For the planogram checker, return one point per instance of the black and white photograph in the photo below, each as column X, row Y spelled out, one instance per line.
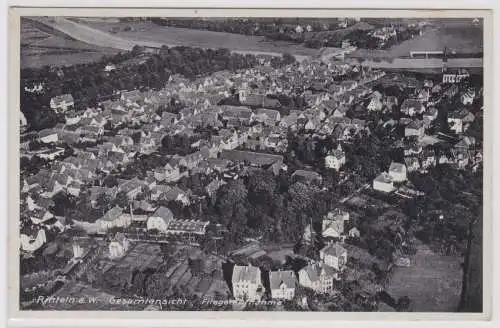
column 246, row 163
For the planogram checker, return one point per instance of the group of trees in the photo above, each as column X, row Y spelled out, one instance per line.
column 270, row 207
column 457, row 195
column 362, row 39
column 275, row 28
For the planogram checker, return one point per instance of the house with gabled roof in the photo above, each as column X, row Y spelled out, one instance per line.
column 178, row 195
column 118, row 246
column 74, row 188
column 131, row 97
column 428, row 158
column 390, row 102
column 62, row 103
column 290, row 121
column 412, row 107
column 267, row 116
column 72, row 117
column 383, row 182
column 282, row 284
column 131, row 188
column 113, row 218
column 115, row 158
column 430, row 115
column 160, row 219
column 191, row 160
column 122, row 140
column 349, row 85
column 340, row 111
column 40, row 215
column 336, row 217
column 460, row 120
column 467, row 98
column 332, row 227
column 32, row 243
column 213, row 186
column 354, row 232
column 423, row 95
column 415, row 128
column 318, row 277
column 247, row 283
column 397, row 171
column 334, row 255
column 52, row 187
column 91, row 133
column 48, row 136
column 465, row 142
column 412, row 164
column 460, row 157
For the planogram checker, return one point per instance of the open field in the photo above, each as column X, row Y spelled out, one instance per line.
column 433, row 282
column 150, row 35
column 148, row 31
column 42, row 45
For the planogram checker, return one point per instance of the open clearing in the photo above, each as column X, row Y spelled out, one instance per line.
column 433, row 282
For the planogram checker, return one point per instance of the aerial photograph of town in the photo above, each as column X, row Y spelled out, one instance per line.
column 251, row 164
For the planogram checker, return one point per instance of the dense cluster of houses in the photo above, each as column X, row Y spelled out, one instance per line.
column 252, row 132
column 419, row 113
column 255, row 126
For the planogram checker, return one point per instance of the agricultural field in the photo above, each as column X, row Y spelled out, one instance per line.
column 41, row 45
column 433, row 282
column 172, row 36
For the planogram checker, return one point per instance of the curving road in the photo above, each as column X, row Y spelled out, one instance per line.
column 87, row 34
